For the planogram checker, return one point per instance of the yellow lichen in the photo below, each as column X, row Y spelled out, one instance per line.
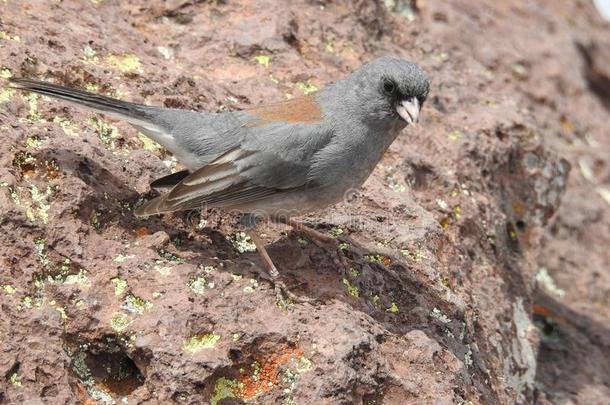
column 8, row 37
column 263, row 60
column 393, row 308
column 126, row 63
column 306, row 87
column 149, row 144
column 69, row 128
column 223, row 389
column 119, row 322
column 9, row 289
column 120, row 286
column 199, row 342
column 351, row 289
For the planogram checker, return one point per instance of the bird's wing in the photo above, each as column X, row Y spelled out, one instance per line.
column 270, row 153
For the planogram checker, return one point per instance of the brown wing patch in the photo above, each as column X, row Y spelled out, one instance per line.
column 300, row 110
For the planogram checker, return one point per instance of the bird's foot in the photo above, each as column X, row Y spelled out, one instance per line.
column 285, row 298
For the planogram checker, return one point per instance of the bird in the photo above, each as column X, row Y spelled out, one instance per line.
column 275, row 161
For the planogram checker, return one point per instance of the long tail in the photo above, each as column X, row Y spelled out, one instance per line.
column 133, row 113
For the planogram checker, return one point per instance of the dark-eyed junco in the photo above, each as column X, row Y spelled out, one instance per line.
column 278, row 160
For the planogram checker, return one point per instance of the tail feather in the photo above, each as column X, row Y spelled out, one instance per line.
column 121, row 109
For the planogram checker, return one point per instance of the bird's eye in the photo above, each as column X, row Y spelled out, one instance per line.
column 389, row 86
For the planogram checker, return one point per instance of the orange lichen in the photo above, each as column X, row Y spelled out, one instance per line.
column 547, row 313
column 142, row 231
column 264, row 375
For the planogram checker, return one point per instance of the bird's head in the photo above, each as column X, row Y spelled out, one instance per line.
column 387, row 90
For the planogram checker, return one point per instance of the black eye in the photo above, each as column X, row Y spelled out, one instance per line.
column 389, row 86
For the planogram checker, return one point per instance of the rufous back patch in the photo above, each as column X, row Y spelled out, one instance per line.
column 300, row 110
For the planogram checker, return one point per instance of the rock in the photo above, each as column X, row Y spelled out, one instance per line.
column 505, row 175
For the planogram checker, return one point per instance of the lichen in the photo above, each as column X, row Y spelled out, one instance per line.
column 33, row 142
column 89, row 54
column 197, row 285
column 136, row 305
column 107, row 133
column 455, row 135
column 223, row 389
column 8, row 37
column 120, row 258
column 170, row 256
column 351, row 289
column 149, row 144
column 306, row 87
column 335, row 232
column 439, row 316
column 79, row 278
column 66, row 125
column 120, row 286
column 544, row 278
column 8, row 289
column 125, row 63
column 253, row 286
column 200, row 342
column 393, row 309
column 263, row 60
column 119, row 322
column 376, row 301
column 15, row 380
column 242, row 242
column 166, row 52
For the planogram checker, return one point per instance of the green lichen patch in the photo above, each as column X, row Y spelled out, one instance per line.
column 89, row 54
column 120, row 258
column 5, row 95
column 335, row 232
column 253, row 285
column 392, row 181
column 8, row 289
column 376, row 301
column 35, row 203
column 126, row 63
column 136, row 305
column 64, row 277
column 544, row 278
column 263, row 60
column 306, row 87
column 416, row 255
column 67, row 126
column 393, row 309
column 119, row 322
column 149, row 144
column 108, row 133
column 455, row 135
column 8, row 37
column 351, row 288
column 223, row 389
column 15, row 380
column 200, row 342
column 439, row 316
column 197, row 285
column 31, row 99
column 241, row 242
column 120, row 286
column 170, row 257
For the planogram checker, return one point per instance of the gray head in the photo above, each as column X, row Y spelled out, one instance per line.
column 387, row 90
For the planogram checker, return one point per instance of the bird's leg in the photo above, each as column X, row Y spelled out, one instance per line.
column 281, row 292
column 312, row 233
column 318, row 238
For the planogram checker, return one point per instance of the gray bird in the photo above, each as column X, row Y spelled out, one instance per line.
column 278, row 160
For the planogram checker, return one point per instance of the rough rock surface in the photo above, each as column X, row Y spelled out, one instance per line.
column 466, row 280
